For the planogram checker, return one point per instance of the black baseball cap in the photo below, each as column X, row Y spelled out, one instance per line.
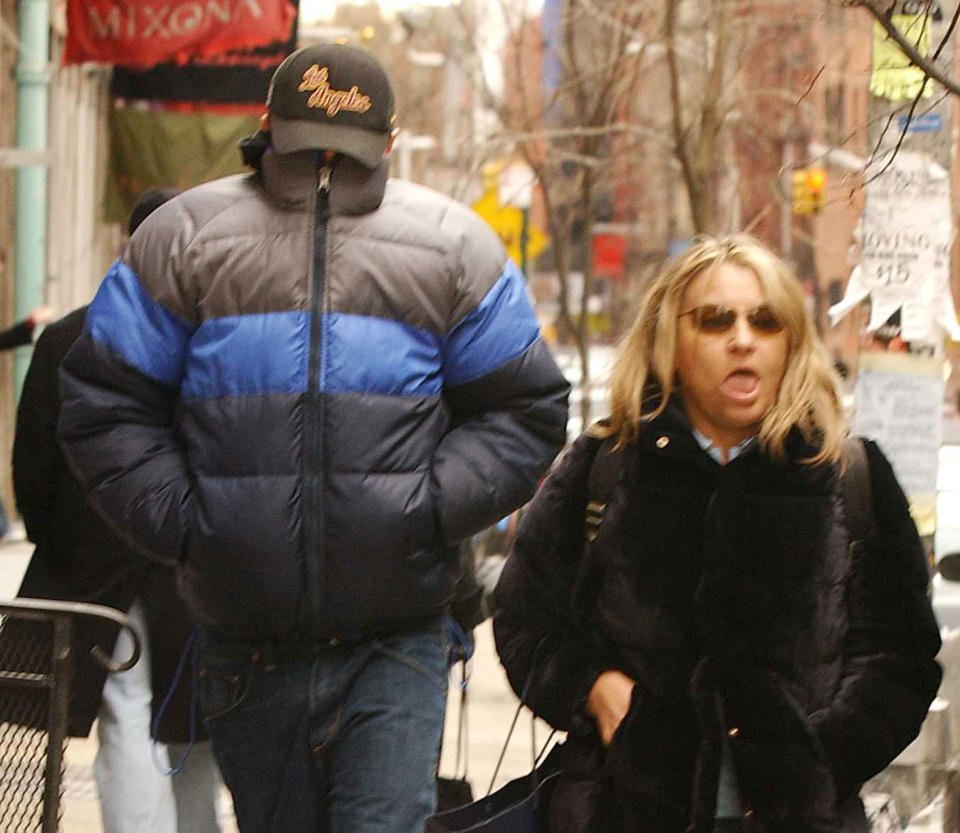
column 331, row 96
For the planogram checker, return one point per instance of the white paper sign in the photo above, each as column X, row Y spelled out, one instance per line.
column 904, row 265
column 899, row 403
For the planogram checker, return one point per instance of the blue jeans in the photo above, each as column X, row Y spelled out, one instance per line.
column 4, row 522
column 337, row 739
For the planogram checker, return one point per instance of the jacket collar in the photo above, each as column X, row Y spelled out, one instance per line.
column 354, row 189
column 671, row 436
column 671, row 432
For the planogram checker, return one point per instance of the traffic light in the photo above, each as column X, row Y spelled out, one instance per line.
column 807, row 186
column 816, row 184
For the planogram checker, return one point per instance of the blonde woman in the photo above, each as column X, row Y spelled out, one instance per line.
column 723, row 653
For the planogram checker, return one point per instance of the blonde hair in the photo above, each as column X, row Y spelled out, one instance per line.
column 643, row 376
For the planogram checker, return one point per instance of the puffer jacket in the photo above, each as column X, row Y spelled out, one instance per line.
column 730, row 595
column 305, row 386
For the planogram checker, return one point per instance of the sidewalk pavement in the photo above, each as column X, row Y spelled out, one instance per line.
column 491, row 706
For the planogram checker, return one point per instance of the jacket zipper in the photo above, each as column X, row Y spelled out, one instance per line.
column 313, row 557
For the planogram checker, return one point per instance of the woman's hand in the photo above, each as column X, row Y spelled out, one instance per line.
column 609, row 702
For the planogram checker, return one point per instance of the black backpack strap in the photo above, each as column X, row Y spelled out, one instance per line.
column 856, row 491
column 602, row 479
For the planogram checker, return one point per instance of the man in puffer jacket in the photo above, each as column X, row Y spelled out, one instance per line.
column 306, row 386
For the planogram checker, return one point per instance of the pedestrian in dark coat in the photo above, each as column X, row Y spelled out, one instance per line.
column 21, row 333
column 722, row 653
column 77, row 558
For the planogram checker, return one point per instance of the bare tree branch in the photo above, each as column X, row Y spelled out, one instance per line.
column 612, row 21
column 812, row 85
column 903, row 134
column 681, row 149
column 900, row 138
column 749, row 227
column 913, row 104
column 928, row 66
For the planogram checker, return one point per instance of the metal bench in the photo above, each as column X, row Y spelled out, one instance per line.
column 36, row 672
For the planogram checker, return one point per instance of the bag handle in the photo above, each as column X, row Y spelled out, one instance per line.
column 464, row 654
column 537, row 757
column 463, row 735
column 602, row 479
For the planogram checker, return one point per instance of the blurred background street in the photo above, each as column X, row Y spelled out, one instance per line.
column 597, row 140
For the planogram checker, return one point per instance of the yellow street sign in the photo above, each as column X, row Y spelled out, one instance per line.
column 507, row 222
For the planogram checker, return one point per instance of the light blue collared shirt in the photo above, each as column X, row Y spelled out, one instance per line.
column 716, row 451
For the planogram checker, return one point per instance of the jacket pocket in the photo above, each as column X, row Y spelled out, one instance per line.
column 222, row 692
column 652, row 752
column 426, row 652
column 781, row 766
column 804, row 721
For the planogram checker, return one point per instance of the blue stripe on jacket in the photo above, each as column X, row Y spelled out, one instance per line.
column 501, row 328
column 377, row 355
column 247, row 355
column 144, row 334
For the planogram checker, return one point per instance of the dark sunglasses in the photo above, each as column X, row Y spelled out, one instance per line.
column 717, row 318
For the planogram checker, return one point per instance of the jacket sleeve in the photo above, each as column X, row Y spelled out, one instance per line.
column 890, row 673
column 508, row 406
column 119, row 385
column 35, row 450
column 17, row 336
column 542, row 645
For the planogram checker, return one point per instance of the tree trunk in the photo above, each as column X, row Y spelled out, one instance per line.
column 697, row 140
column 583, row 328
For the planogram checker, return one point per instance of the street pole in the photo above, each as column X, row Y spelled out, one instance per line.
column 904, row 256
column 515, row 184
column 902, row 126
column 786, row 206
column 30, row 246
column 524, row 239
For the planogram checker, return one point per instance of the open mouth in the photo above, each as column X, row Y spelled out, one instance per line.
column 741, row 384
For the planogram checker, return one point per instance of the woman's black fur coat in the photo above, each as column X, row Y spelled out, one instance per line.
column 728, row 594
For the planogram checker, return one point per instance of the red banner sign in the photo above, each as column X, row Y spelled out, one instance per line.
column 609, row 251
column 143, row 33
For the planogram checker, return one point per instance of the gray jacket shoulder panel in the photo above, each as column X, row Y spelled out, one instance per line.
column 202, row 255
column 421, row 258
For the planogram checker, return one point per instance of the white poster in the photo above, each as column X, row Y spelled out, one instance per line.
column 905, row 251
column 899, row 404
